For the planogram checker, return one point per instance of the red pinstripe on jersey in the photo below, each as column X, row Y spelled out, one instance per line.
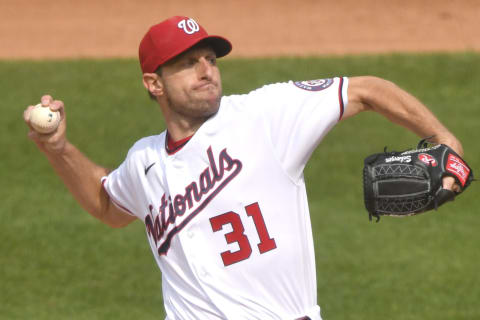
column 340, row 98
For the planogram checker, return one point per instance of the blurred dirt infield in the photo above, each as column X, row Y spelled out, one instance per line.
column 112, row 28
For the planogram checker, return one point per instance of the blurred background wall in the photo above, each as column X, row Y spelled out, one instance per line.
column 113, row 28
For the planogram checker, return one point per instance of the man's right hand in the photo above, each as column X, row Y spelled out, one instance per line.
column 52, row 142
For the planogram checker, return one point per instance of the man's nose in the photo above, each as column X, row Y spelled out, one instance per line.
column 204, row 68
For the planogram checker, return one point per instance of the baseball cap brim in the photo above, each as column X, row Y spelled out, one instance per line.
column 220, row 46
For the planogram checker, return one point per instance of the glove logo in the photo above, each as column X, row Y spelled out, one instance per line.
column 402, row 159
column 427, row 159
column 457, row 167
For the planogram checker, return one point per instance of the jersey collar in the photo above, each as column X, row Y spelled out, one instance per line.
column 174, row 146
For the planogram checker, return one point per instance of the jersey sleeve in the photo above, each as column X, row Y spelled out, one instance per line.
column 298, row 115
column 124, row 184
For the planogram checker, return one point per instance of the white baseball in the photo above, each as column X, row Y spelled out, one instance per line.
column 44, row 120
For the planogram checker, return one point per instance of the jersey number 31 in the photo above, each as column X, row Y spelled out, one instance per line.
column 237, row 235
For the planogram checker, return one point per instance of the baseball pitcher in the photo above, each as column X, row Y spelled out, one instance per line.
column 221, row 191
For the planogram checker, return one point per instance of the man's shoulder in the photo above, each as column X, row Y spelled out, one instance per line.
column 255, row 97
column 264, row 89
column 147, row 145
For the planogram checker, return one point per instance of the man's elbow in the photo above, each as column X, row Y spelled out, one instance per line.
column 369, row 91
column 363, row 92
column 117, row 225
column 372, row 85
column 113, row 217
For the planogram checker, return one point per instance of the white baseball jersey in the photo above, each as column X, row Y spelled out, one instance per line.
column 226, row 215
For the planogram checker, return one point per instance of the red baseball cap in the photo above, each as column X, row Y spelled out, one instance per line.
column 173, row 36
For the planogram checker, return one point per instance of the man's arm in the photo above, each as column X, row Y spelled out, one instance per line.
column 400, row 107
column 80, row 175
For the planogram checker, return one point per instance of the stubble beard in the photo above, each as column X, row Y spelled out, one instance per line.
column 196, row 110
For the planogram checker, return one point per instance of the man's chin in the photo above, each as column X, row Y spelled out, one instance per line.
column 206, row 108
column 211, row 102
column 211, row 110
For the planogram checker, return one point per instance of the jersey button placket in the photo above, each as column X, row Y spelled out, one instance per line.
column 177, row 164
column 187, row 240
column 190, row 246
column 174, row 175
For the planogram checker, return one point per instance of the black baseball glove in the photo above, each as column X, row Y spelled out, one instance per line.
column 410, row 182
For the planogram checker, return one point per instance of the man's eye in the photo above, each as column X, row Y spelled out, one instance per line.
column 189, row 63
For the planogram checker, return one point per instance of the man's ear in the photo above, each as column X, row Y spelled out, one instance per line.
column 152, row 83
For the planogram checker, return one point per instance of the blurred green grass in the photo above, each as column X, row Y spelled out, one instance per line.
column 59, row 263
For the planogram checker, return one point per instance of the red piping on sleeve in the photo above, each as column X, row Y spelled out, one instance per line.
column 114, row 202
column 340, row 98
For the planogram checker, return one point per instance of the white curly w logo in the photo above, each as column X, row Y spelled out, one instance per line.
column 190, row 26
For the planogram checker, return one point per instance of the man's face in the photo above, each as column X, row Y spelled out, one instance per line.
column 191, row 83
